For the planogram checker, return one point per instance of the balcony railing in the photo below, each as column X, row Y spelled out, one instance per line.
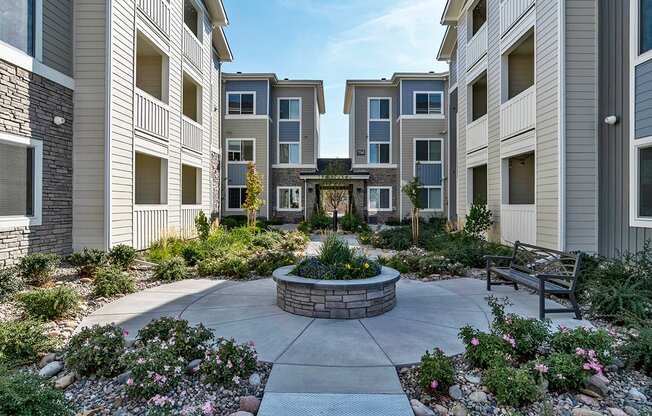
column 476, row 134
column 518, row 114
column 518, row 223
column 477, row 47
column 511, row 11
column 150, row 222
column 188, row 215
column 151, row 115
column 158, row 11
column 192, row 48
column 192, row 135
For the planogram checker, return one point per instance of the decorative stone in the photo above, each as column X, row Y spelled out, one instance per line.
column 455, row 392
column 421, row 409
column 583, row 411
column 193, row 366
column 616, row 412
column 478, row 397
column 85, row 280
column 65, row 381
column 241, row 413
column 47, row 359
column 249, row 404
column 254, row 379
column 459, row 410
column 472, row 378
column 634, row 394
column 51, row 369
column 631, row 411
column 122, row 378
column 598, row 385
column 441, row 410
column 589, row 401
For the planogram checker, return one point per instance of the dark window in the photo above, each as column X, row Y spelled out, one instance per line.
column 428, row 103
column 422, row 103
column 16, row 180
column 234, row 104
column 247, row 103
column 422, row 150
column 17, row 24
column 645, row 182
column 434, row 103
column 237, row 197
column 645, row 25
column 379, row 109
column 241, row 104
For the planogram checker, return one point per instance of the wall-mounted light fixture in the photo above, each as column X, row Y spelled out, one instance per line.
column 59, row 121
column 611, row 120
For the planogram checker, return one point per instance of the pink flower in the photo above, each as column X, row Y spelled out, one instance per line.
column 434, row 384
column 510, row 340
column 130, row 381
column 208, row 409
column 125, row 333
column 475, row 342
column 229, row 365
column 541, row 368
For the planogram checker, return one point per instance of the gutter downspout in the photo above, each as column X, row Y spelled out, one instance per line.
column 562, row 126
column 107, row 127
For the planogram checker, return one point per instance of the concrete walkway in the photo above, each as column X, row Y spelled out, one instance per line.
column 326, row 367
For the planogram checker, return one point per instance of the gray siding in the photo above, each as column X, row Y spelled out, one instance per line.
column 644, row 100
column 308, row 121
column 494, row 186
column 260, row 87
column 451, row 180
column 360, row 118
column 57, row 35
column 615, row 234
column 410, row 86
column 453, row 68
column 581, row 126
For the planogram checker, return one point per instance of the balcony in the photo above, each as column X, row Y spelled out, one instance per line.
column 476, row 134
column 151, row 115
column 150, row 223
column 188, row 215
column 518, row 114
column 192, row 134
column 518, row 223
column 476, row 47
column 158, row 12
column 192, row 48
column 511, row 11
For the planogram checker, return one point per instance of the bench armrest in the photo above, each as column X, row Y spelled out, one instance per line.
column 493, row 259
column 548, row 276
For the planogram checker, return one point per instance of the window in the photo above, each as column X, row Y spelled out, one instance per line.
column 289, row 198
column 236, row 197
column 150, row 180
column 241, row 103
column 240, row 150
column 428, row 151
column 379, row 199
column 151, row 69
column 192, row 18
column 289, row 153
column 431, row 199
column 645, row 182
column 289, row 131
column 21, row 167
column 289, row 109
column 429, row 168
column 645, row 26
column 380, row 130
column 190, row 185
column 17, row 24
column 192, row 99
column 428, row 102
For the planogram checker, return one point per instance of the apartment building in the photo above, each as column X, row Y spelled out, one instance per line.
column 108, row 131
column 274, row 123
column 398, row 130
column 524, row 83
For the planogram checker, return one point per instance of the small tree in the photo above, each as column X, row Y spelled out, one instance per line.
column 478, row 221
column 253, row 201
column 335, row 192
column 412, row 190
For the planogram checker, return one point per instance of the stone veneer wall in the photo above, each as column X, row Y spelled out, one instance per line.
column 215, row 180
column 337, row 303
column 384, row 177
column 28, row 105
column 286, row 177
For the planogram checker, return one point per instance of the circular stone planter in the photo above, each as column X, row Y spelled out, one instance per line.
column 336, row 299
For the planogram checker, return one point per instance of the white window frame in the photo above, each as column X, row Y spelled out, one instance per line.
column 369, row 142
column 240, row 162
column 198, row 184
column 228, row 206
column 430, row 162
column 200, row 21
column 278, row 198
column 414, row 103
column 37, row 218
column 379, row 188
column 240, row 93
column 278, row 129
column 635, row 220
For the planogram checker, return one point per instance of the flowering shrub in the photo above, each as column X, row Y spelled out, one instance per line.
column 88, row 261
column 568, row 341
column 264, row 262
column 184, row 340
column 37, row 269
column 49, row 304
column 565, row 372
column 482, row 348
column 229, row 364
column 112, row 281
column 419, row 261
column 293, row 241
column 23, row 394
column 155, row 369
column 436, row 372
column 511, row 386
column 22, row 341
column 97, row 350
column 171, row 270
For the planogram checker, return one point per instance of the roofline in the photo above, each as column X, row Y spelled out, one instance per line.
column 271, row 77
column 217, row 12
column 221, row 45
column 447, row 44
column 452, row 11
column 392, row 82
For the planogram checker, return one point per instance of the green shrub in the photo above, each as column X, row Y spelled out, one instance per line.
column 10, row 283
column 351, row 223
column 478, row 220
column 304, row 227
column 192, row 253
column 227, row 265
column 264, row 263
column 22, row 341
column 97, row 350
column 565, row 372
column 203, row 226
column 320, row 221
column 336, row 260
column 406, row 261
column 511, row 386
column 229, row 364
column 155, row 369
column 112, row 281
column 436, row 372
column 234, row 221
column 430, row 265
column 481, row 348
column 569, row 340
column 183, row 340
column 398, row 239
column 88, row 261
column 23, row 394
column 49, row 304
column 335, row 251
column 638, row 351
column 171, row 270
column 314, row 268
column 38, row 269
column 165, row 249
column 122, row 256
column 293, row 241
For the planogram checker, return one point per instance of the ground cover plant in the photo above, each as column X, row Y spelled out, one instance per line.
column 97, row 350
column 10, row 283
column 22, row 341
column 422, row 263
column 122, row 256
column 23, row 394
column 51, row 303
column 337, row 261
column 229, row 363
column 189, row 342
column 112, row 281
column 88, row 261
column 38, row 269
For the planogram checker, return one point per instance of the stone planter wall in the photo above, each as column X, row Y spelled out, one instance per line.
column 352, row 299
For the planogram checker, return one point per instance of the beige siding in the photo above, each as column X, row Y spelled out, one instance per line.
column 89, row 124
column 362, row 95
column 581, row 126
column 308, row 132
column 58, row 34
column 493, row 115
column 547, row 123
column 462, row 105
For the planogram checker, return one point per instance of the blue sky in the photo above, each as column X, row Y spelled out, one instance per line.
column 334, row 40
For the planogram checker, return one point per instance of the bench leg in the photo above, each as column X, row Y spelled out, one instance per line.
column 488, row 279
column 542, row 300
column 576, row 306
column 515, row 286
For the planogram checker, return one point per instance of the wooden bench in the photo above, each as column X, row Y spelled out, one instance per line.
column 544, row 270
